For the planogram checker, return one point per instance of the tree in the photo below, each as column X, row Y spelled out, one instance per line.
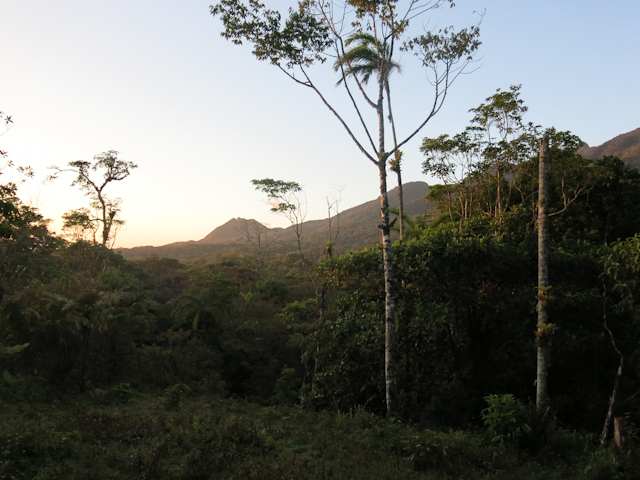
column 112, row 169
column 545, row 329
column 202, row 305
column 316, row 30
column 372, row 56
column 454, row 160
column 622, row 267
column 486, row 169
column 260, row 237
column 505, row 139
column 80, row 224
column 288, row 200
column 333, row 216
column 486, row 156
column 24, row 234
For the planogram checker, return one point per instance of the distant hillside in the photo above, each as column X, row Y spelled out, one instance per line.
column 625, row 146
column 357, row 227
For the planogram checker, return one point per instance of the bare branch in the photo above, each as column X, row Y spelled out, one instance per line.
column 340, row 119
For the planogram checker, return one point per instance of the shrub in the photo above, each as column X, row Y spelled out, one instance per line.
column 174, row 394
column 504, row 418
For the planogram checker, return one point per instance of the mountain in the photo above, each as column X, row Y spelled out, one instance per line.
column 231, row 231
column 625, row 146
column 356, row 228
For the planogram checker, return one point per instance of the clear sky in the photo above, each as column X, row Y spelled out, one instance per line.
column 201, row 117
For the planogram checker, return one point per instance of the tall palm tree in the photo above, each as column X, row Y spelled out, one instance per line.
column 373, row 56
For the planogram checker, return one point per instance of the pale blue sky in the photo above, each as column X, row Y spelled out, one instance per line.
column 201, row 117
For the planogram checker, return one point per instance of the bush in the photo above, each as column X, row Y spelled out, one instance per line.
column 504, row 418
column 174, row 394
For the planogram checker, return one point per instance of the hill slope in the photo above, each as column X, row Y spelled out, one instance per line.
column 625, row 146
column 357, row 228
column 231, row 231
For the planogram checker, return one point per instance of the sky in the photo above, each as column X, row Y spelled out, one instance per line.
column 201, row 117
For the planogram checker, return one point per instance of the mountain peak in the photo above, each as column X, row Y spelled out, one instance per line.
column 230, row 231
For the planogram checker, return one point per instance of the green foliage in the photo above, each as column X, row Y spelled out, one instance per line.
column 512, row 423
column 448, row 324
column 26, row 245
column 466, row 315
column 24, row 440
column 277, row 190
column 486, row 170
column 270, row 290
column 604, row 466
column 288, row 200
column 80, row 322
column 299, row 42
column 9, row 351
column 174, row 395
column 123, row 391
column 141, row 439
column 503, row 418
column 287, row 388
column 80, row 223
column 622, row 267
column 205, row 301
column 367, row 56
column 299, row 313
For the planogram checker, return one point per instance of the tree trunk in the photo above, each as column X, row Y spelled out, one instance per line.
column 612, row 402
column 396, row 164
column 544, row 333
column 387, row 259
column 389, row 284
column 616, row 382
column 400, row 203
column 619, row 435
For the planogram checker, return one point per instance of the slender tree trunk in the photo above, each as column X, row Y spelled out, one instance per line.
column 543, row 334
column 616, row 382
column 499, row 190
column 390, row 306
column 105, row 226
column 400, row 203
column 619, row 435
column 396, row 166
column 612, row 402
column 387, row 258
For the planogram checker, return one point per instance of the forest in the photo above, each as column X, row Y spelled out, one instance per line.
column 272, row 366
column 495, row 336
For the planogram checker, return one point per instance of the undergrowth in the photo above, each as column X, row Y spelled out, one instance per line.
column 120, row 434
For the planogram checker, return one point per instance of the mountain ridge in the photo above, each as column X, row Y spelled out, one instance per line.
column 357, row 228
column 625, row 146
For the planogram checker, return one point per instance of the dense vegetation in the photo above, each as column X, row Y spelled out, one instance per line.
column 255, row 367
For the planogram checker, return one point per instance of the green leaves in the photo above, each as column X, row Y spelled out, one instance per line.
column 106, row 209
column 367, row 56
column 503, row 418
column 622, row 267
column 301, row 41
column 446, row 47
column 281, row 193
